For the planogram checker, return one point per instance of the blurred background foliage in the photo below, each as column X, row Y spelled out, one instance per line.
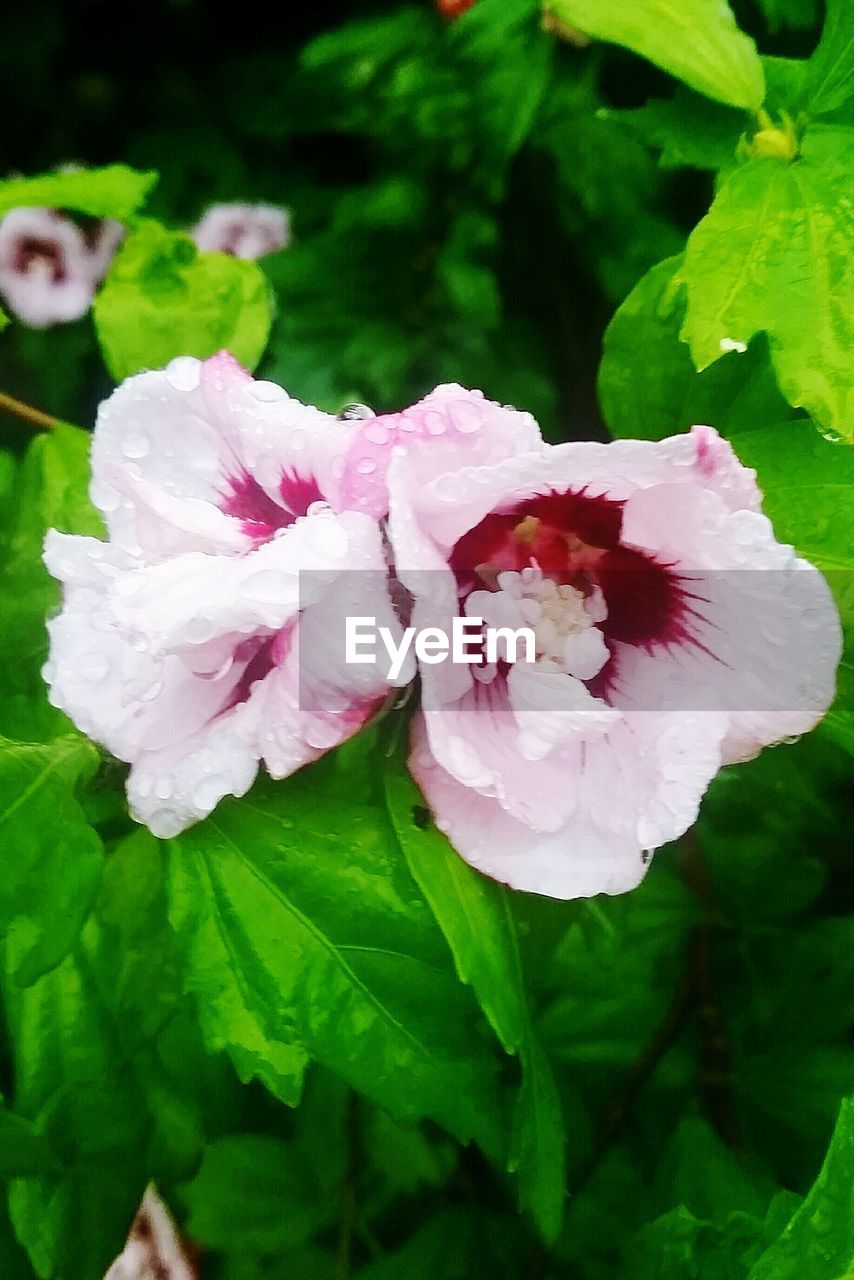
column 474, row 200
column 462, row 208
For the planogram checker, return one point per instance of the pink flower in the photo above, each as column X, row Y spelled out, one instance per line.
column 243, row 230
column 230, row 552
column 153, row 1247
column 673, row 635
column 50, row 267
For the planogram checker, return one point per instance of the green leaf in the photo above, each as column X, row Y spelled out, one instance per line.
column 399, row 1160
column 54, row 859
column 256, row 1193
column 163, row 299
column 680, row 1246
column 807, row 484
column 115, row 191
column 51, row 491
column 455, row 1244
column 661, row 393
column 509, row 59
column 774, row 254
column 304, row 936
column 797, row 14
column 23, row 1150
column 15, row 1262
column 475, row 917
column 818, row 1243
column 830, row 74
column 136, row 967
column 698, row 1171
column 4, row 320
column 697, row 41
column 72, row 1083
column 687, row 129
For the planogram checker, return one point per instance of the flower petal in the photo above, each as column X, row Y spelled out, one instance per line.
column 172, row 446
column 449, row 428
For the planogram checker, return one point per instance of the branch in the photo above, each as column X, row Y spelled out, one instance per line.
column 34, row 417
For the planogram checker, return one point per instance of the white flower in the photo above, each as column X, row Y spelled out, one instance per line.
column 153, row 1250
column 230, row 555
column 243, row 230
column 50, row 267
column 673, row 634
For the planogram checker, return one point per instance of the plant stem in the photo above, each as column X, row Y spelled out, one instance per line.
column 34, row 417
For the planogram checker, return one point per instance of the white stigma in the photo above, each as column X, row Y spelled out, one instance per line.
column 563, row 619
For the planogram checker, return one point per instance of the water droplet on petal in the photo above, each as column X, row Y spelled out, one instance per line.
column 104, row 497
column 355, row 413
column 450, row 487
column 135, row 444
column 434, row 423
column 325, row 536
column 200, row 629
column 164, row 824
column 466, row 417
column 183, row 373
column 221, row 671
column 268, row 392
column 377, row 434
column 207, row 793
column 322, row 734
column 366, row 466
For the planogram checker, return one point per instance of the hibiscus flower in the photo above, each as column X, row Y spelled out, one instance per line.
column 50, row 267
column 243, row 230
column 673, row 634
column 230, row 555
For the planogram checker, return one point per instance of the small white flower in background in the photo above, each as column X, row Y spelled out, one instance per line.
column 153, row 1250
column 230, row 553
column 50, row 266
column 243, row 230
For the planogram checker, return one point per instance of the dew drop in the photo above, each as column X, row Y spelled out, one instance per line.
column 377, row 434
column 434, row 424
column 366, row 466
column 183, row 373
column 355, row 413
column 325, row 536
column 450, row 487
column 207, row 793
column 219, row 672
column 268, row 392
column 104, row 497
column 200, row 629
column 466, row 418
column 322, row 734
column 135, row 444
column 164, row 824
